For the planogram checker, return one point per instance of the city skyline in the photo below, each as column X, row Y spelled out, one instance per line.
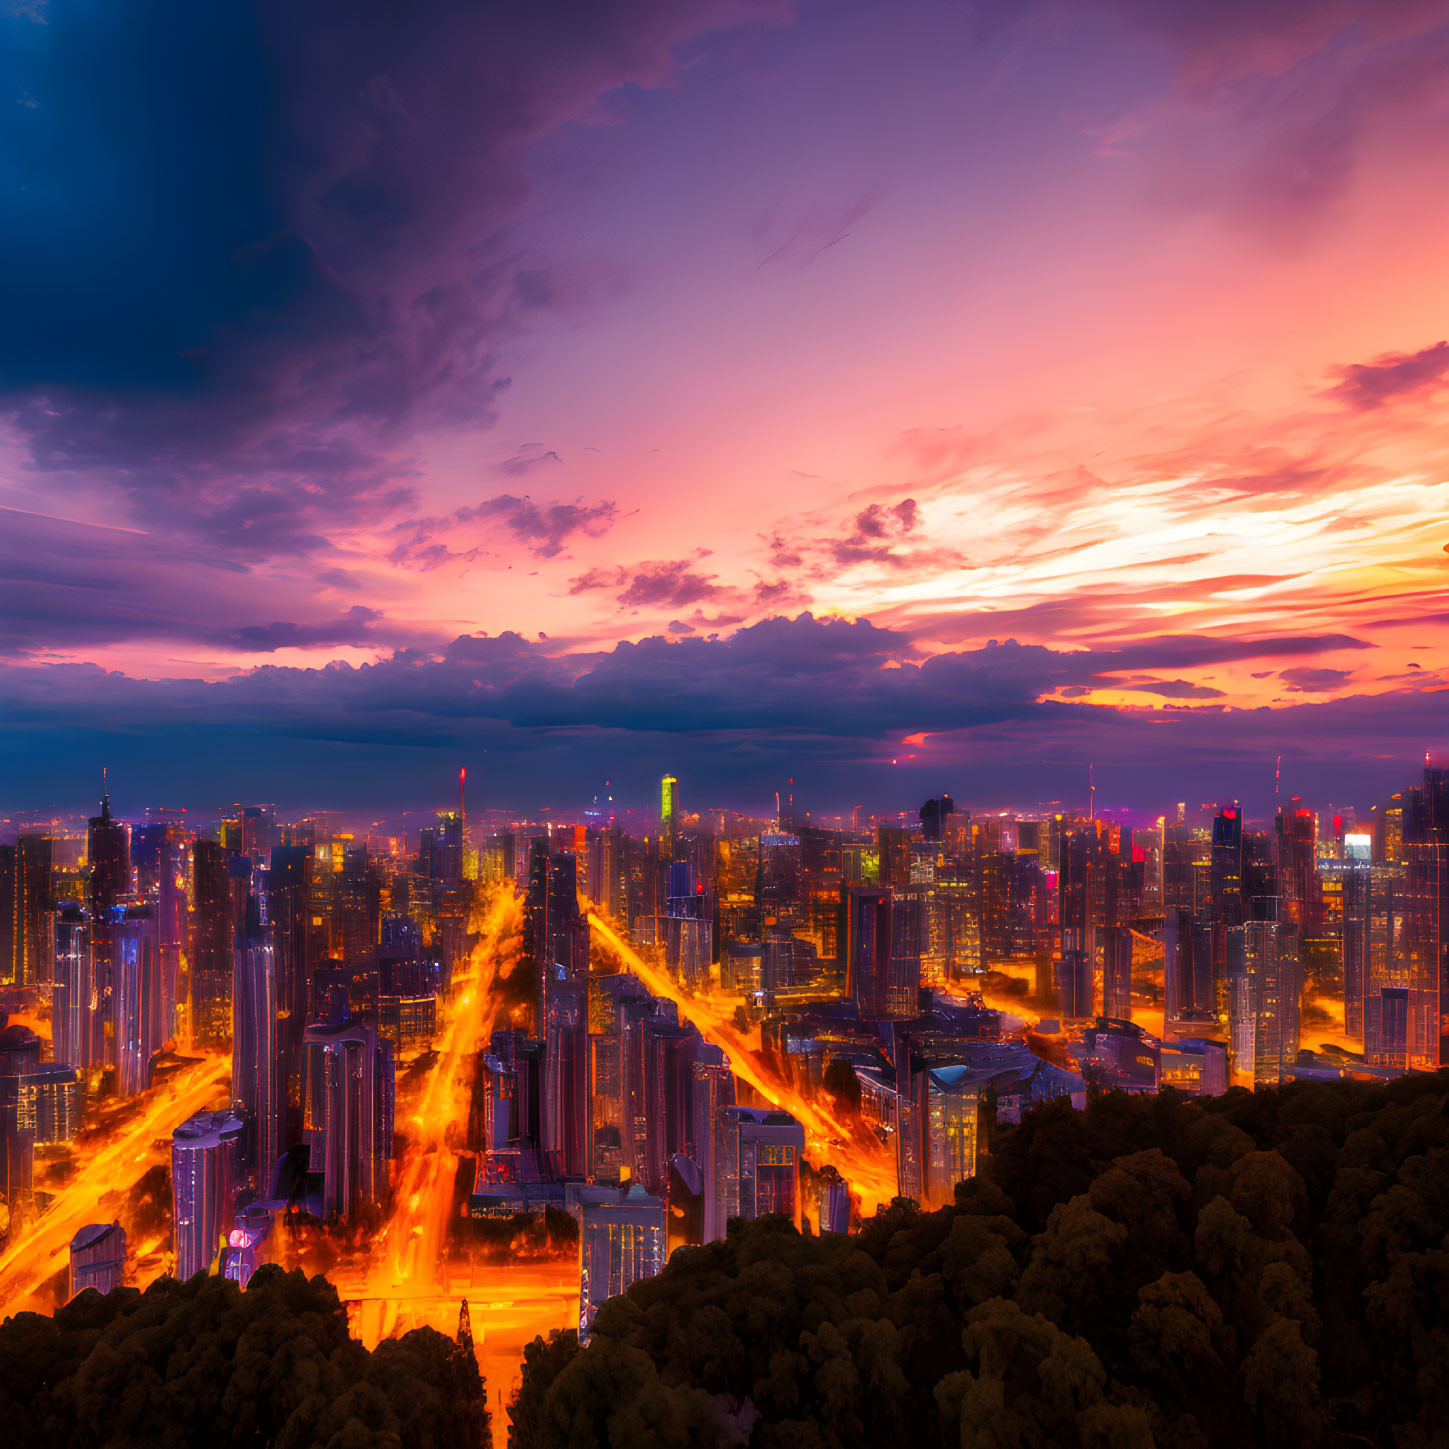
column 563, row 391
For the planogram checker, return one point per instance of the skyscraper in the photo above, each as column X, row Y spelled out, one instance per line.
column 1264, row 983
column 758, row 1169
column 136, row 963
column 212, row 943
column 74, row 997
column 348, row 1112
column 1425, row 943
column 565, row 1121
column 203, row 1187
column 621, row 1239
column 257, row 1089
column 19, row 1059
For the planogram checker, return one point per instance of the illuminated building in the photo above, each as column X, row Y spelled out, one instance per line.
column 1424, row 946
column 1122, row 1056
column 1194, row 1066
column 212, row 943
column 1117, row 972
column 936, row 1126
column 203, row 1187
column 713, row 1089
column 52, row 1098
column 347, row 1112
column 1263, row 991
column 292, row 932
column 26, row 899
column 139, row 1021
column 1296, row 856
column 108, row 856
column 669, row 814
column 885, row 930
column 156, row 860
column 1077, row 887
column 779, row 891
column 687, row 930
column 74, row 1021
column 257, row 1085
column 1187, row 968
column 19, row 1060
column 758, row 1163
column 621, row 1240
column 565, row 1118
column 97, row 1258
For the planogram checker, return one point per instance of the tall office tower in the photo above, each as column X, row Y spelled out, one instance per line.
column 688, row 944
column 212, row 944
column 52, row 1099
column 909, row 920
column 1425, row 943
column 347, row 1119
column 1226, row 902
column 294, row 958
column 98, row 1258
column 868, row 940
column 157, row 851
column 19, row 1059
column 1117, row 972
column 108, row 854
column 449, row 849
column 758, row 1167
column 1355, row 872
column 713, row 1088
column 26, row 900
column 936, row 1136
column 356, row 905
column 1264, row 982
column 257, row 1089
column 204, row 1182
column 893, row 850
column 555, row 932
column 622, row 1239
column 669, row 816
column 1296, row 857
column 73, row 999
column 779, row 897
column 136, row 966
column 565, row 1121
column 1079, row 886
column 1187, row 970
column 668, row 1048
column 736, row 879
column 933, row 817
column 259, row 833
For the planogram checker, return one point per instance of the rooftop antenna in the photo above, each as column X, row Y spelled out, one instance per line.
column 1277, row 776
column 1091, row 792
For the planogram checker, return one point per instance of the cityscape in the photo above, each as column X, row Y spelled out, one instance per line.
column 514, row 1066
column 724, row 725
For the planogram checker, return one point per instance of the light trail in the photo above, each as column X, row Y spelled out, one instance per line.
column 408, row 1258
column 115, row 1164
column 857, row 1155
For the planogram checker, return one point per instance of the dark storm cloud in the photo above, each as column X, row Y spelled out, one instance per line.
column 828, row 699
column 1364, row 386
column 262, row 245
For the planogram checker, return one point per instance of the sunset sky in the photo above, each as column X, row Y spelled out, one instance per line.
column 898, row 397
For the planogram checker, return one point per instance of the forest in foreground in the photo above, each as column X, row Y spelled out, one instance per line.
column 1258, row 1269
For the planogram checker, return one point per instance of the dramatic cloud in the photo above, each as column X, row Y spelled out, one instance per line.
column 307, row 258
column 544, row 528
column 829, row 700
column 354, row 627
column 1314, row 681
column 1366, row 385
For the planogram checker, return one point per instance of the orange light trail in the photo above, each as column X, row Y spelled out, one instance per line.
column 121, row 1162
column 407, row 1263
column 860, row 1158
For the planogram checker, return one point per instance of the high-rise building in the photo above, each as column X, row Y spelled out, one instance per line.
column 622, row 1239
column 19, row 1060
column 1424, row 946
column 294, row 958
column 1117, row 972
column 669, row 815
column 936, row 1134
column 97, row 1258
column 258, row 1089
column 713, row 1089
column 758, row 1165
column 347, row 1118
column 868, row 950
column 74, row 1000
column 52, row 1098
column 565, row 1122
column 1187, row 969
column 204, row 1183
column 139, row 1021
column 26, row 900
column 213, row 932
column 1264, row 983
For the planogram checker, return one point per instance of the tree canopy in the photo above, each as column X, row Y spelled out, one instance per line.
column 1256, row 1269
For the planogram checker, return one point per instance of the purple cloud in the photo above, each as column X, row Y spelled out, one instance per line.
column 1364, row 386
